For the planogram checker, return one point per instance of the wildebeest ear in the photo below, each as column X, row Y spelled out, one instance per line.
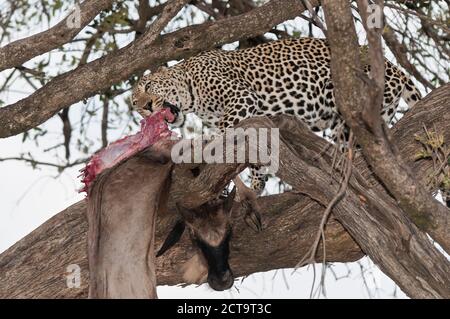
column 173, row 237
column 187, row 214
column 228, row 202
column 156, row 156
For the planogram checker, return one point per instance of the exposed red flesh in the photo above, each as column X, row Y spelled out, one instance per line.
column 153, row 129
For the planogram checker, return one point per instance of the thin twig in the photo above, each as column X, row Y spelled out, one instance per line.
column 34, row 162
column 317, row 21
column 310, row 256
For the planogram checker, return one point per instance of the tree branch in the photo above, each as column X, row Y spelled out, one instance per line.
column 20, row 51
column 352, row 98
column 61, row 241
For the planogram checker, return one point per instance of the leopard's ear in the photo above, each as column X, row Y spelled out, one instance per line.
column 144, row 78
column 162, row 69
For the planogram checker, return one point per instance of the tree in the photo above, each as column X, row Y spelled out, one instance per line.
column 388, row 207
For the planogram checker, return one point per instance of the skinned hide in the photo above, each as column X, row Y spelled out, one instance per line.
column 153, row 129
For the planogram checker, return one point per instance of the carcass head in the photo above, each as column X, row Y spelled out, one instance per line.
column 210, row 229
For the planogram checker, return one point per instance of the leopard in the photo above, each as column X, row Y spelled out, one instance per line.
column 290, row 76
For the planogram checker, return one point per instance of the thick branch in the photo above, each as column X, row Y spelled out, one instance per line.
column 382, row 230
column 20, row 51
column 352, row 97
column 87, row 80
column 36, row 266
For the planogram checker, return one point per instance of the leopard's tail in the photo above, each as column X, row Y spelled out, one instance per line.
column 411, row 94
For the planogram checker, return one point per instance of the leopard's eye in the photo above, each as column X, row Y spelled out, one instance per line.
column 147, row 86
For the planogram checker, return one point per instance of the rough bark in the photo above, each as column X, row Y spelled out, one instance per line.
column 355, row 98
column 88, row 79
column 431, row 112
column 373, row 219
column 35, row 266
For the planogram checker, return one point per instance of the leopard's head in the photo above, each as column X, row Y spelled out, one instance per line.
column 158, row 90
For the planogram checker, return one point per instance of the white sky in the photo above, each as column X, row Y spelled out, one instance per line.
column 29, row 197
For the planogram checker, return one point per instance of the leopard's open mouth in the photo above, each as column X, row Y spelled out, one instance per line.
column 175, row 110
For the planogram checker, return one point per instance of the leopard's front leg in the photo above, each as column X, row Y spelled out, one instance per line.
column 246, row 196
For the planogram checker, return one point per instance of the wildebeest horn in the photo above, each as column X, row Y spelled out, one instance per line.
column 228, row 203
column 173, row 237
